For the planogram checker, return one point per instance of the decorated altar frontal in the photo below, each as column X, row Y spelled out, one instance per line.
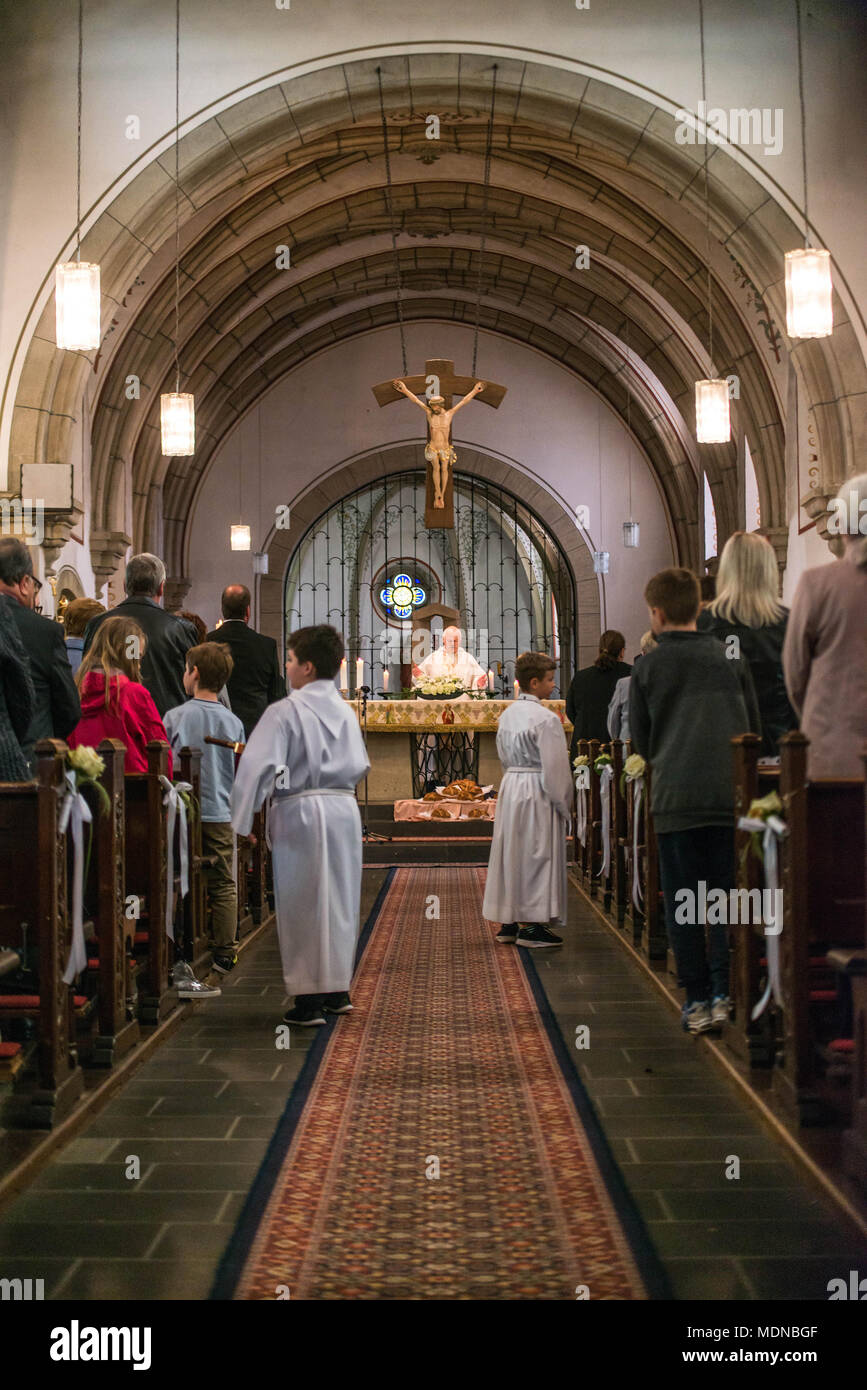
column 393, row 727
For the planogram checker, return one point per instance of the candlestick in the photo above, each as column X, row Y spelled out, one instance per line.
column 490, row 679
column 359, row 673
column 516, row 689
column 385, row 680
column 343, row 684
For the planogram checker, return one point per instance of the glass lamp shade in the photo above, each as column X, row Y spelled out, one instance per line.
column 260, row 562
column 600, row 561
column 712, row 423
column 77, row 302
column 630, row 534
column 240, row 537
column 809, row 312
column 178, row 424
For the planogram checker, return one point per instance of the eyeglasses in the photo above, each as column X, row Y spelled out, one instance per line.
column 37, row 585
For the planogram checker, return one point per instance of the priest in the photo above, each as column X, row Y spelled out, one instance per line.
column 451, row 659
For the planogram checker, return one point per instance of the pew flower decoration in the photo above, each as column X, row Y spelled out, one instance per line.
column 633, row 770
column 86, row 767
column 581, row 767
column 604, row 760
column 762, row 809
column 581, row 761
column 767, row 829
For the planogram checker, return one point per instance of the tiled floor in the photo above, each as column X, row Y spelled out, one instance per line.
column 198, row 1116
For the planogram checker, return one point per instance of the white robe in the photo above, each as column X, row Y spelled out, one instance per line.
column 526, row 879
column 465, row 667
column 312, row 740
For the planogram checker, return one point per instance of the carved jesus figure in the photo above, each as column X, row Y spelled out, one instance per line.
column 439, row 451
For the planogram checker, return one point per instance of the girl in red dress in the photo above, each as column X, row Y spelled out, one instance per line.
column 114, row 703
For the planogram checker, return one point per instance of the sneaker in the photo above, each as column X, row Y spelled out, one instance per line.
column 508, row 933
column 719, row 1010
column 305, row 1018
column 181, row 972
column 225, row 964
column 696, row 1017
column 537, row 935
column 195, row 989
column 337, row 1003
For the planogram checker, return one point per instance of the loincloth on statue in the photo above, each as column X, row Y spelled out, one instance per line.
column 444, row 455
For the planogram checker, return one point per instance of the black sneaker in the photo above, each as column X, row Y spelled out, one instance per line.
column 537, row 935
column 225, row 964
column 508, row 933
column 305, row 1017
column 337, row 1003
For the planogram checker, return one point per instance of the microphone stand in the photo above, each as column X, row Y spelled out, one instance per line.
column 366, row 833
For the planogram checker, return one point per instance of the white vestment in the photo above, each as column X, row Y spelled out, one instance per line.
column 440, row 663
column 526, row 879
column 307, row 753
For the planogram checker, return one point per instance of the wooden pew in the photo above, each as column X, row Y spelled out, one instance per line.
column 593, row 855
column 146, row 877
column 256, row 880
column 191, row 913
column 823, row 882
column 754, row 1043
column 855, row 1139
column 35, row 925
column 105, row 893
column 618, row 890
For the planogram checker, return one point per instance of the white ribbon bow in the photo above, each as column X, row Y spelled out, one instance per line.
column 75, row 809
column 176, row 807
column 606, row 777
column 772, row 831
column 637, row 894
column 582, row 785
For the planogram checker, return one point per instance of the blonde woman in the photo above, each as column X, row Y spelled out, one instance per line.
column 747, row 607
column 114, row 703
column 825, row 656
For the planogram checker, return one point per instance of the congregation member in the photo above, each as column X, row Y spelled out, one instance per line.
column 76, row 616
column 618, row 710
column 256, row 680
column 307, row 753
column 202, row 635
column 16, row 700
column 114, row 702
column 56, row 709
column 590, row 692
column 825, row 653
column 526, row 885
column 169, row 638
column 747, row 607
column 686, row 703
column 209, row 666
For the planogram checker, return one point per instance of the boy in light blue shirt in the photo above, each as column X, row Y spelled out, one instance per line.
column 208, row 668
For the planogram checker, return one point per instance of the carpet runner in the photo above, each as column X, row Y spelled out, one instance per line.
column 438, row 1143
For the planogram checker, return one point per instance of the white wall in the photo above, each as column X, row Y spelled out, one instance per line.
column 549, row 425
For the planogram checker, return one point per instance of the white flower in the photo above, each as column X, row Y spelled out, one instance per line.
column 86, row 761
column 581, row 761
column 634, row 766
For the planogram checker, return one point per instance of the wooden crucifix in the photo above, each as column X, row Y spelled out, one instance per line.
column 437, row 386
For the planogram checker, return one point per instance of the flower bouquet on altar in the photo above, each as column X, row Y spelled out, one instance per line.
column 440, row 688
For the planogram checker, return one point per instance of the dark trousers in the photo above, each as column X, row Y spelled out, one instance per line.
column 687, row 857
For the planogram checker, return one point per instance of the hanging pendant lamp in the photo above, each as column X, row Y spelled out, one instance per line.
column 712, row 418
column 809, row 291
column 77, row 299
column 177, row 408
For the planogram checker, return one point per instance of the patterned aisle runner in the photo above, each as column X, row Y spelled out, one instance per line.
column 439, row 1153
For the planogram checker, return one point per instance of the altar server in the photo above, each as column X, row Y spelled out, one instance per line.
column 526, row 883
column 306, row 752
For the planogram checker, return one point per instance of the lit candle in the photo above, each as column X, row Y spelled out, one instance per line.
column 385, row 680
column 359, row 673
column 516, row 689
column 343, row 685
column 490, row 679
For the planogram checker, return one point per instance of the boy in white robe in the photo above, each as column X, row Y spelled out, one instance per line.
column 526, row 884
column 307, row 754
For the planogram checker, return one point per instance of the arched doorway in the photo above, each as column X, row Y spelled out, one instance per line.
column 500, row 567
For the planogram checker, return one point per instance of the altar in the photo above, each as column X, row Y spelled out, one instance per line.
column 394, row 727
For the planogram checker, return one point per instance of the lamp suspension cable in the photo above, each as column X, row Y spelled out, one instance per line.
column 489, row 144
column 706, row 189
column 78, row 138
column 177, row 191
column 390, row 205
column 803, row 119
column 628, row 418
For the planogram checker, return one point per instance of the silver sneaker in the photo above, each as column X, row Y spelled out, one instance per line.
column 195, row 989
column 719, row 1011
column 696, row 1018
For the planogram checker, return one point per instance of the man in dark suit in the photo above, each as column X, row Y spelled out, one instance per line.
column 56, row 709
column 256, row 680
column 168, row 639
